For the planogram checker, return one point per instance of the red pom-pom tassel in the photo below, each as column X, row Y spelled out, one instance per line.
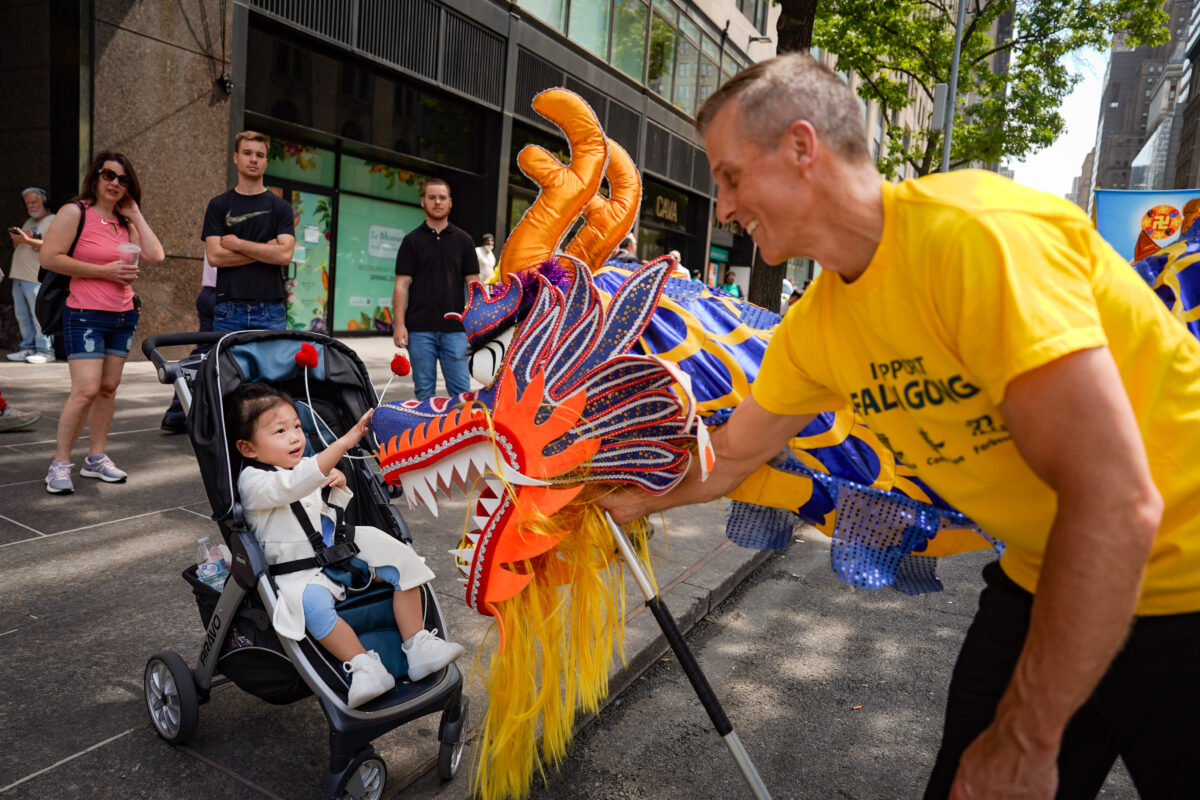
column 400, row 365
column 307, row 356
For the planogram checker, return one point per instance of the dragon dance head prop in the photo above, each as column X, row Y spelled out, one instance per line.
column 566, row 408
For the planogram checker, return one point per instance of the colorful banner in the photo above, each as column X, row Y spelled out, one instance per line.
column 1137, row 224
column 368, row 235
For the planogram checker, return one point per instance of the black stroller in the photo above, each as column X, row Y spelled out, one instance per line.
column 239, row 642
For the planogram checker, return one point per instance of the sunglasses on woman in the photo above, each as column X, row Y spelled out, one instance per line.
column 110, row 176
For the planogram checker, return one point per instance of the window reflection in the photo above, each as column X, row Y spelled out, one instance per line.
column 659, row 77
column 551, row 12
column 685, row 76
column 629, row 37
column 589, row 25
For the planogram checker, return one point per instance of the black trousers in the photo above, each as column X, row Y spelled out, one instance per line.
column 1146, row 709
column 206, row 301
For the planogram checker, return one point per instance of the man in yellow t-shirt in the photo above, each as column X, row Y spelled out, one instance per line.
column 1009, row 356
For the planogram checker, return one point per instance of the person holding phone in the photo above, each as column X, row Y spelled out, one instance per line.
column 35, row 347
column 101, row 313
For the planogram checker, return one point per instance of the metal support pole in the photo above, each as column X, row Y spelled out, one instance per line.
column 688, row 662
column 953, row 89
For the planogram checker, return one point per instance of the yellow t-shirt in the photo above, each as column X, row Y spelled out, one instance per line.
column 977, row 280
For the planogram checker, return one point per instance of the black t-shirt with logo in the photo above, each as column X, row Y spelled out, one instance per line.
column 439, row 264
column 255, row 218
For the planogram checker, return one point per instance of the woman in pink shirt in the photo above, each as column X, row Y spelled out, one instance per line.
column 100, row 317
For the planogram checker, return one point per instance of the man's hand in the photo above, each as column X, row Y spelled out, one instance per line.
column 18, row 239
column 999, row 765
column 751, row 438
column 399, row 334
column 231, row 242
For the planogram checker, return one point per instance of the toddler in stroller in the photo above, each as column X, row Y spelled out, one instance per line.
column 282, row 495
column 240, row 642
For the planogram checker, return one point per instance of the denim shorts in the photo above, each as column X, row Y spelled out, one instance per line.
column 88, row 333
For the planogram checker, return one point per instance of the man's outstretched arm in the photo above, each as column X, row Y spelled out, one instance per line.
column 1072, row 422
column 751, row 438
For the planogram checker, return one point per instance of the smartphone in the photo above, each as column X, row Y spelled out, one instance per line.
column 14, row 230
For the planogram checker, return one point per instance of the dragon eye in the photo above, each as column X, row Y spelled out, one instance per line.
column 485, row 362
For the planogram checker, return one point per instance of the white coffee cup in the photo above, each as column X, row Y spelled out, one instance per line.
column 128, row 253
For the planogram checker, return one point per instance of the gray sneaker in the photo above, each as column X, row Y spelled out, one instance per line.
column 39, row 358
column 102, row 468
column 20, row 355
column 13, row 419
column 58, row 478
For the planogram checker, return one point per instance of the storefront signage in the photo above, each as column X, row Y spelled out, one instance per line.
column 383, row 241
column 664, row 207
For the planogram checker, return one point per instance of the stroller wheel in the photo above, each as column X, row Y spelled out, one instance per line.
column 367, row 781
column 450, row 753
column 171, row 697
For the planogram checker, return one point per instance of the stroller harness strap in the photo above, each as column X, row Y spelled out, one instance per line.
column 337, row 555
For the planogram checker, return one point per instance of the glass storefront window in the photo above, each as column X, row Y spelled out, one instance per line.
column 659, row 78
column 291, row 83
column 710, row 48
column 589, row 25
column 667, row 9
column 299, row 162
column 551, row 12
column 685, row 76
column 629, row 37
column 438, row 129
column 368, row 234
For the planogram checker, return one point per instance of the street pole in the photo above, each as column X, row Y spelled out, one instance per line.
column 952, row 94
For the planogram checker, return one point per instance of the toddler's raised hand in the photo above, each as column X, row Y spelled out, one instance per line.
column 336, row 479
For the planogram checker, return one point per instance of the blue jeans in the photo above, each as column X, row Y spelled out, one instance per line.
column 426, row 349
column 24, row 295
column 230, row 316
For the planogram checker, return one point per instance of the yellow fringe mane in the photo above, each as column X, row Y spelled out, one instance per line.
column 560, row 634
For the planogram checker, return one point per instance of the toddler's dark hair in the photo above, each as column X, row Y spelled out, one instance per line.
column 250, row 401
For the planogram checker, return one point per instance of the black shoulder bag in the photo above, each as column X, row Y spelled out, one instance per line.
column 52, row 295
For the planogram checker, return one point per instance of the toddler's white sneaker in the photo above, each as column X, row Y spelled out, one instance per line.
column 427, row 653
column 369, row 678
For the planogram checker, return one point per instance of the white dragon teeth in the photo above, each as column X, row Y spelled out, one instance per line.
column 465, row 553
column 473, row 538
column 426, row 494
column 489, row 504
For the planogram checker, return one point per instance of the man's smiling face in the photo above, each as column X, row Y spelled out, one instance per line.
column 759, row 188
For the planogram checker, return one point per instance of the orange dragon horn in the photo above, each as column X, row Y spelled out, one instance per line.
column 566, row 189
column 609, row 220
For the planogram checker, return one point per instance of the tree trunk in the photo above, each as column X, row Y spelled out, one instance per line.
column 795, row 26
column 766, row 283
column 795, row 30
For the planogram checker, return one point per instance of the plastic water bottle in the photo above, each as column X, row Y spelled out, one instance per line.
column 212, row 567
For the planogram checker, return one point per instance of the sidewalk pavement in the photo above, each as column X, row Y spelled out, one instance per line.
column 90, row 587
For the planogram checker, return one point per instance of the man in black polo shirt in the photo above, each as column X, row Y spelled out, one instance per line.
column 433, row 267
column 249, row 235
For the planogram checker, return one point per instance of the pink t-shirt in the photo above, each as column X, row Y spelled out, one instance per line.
column 98, row 245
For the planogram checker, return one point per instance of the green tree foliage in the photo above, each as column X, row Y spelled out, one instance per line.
column 901, row 44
